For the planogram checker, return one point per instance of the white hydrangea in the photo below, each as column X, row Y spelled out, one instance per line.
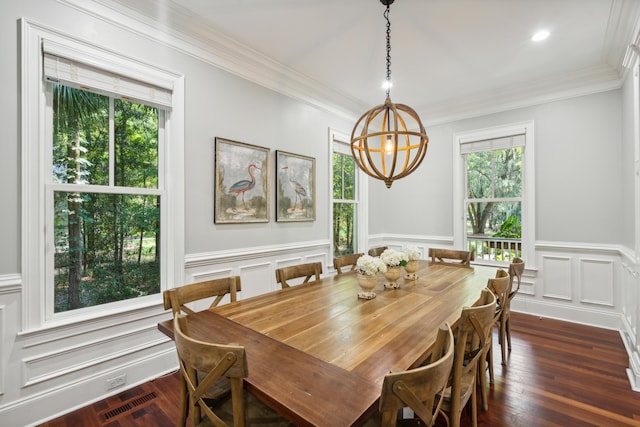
column 367, row 264
column 412, row 253
column 393, row 258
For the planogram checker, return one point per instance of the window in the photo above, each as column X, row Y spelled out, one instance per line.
column 347, row 207
column 106, row 199
column 101, row 233
column 494, row 197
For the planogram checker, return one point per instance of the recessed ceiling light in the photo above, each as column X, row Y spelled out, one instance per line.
column 540, row 35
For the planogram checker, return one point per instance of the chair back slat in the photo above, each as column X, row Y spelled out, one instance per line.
column 345, row 261
column 377, row 251
column 417, row 388
column 216, row 361
column 177, row 298
column 306, row 271
column 451, row 256
column 516, row 268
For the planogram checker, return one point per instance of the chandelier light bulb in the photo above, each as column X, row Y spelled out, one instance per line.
column 389, row 146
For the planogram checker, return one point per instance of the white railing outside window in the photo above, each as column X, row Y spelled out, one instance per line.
column 487, row 248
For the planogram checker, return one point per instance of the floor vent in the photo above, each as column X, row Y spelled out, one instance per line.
column 129, row 405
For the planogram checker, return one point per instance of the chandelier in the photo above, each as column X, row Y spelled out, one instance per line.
column 389, row 141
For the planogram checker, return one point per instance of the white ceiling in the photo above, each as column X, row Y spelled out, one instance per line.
column 449, row 58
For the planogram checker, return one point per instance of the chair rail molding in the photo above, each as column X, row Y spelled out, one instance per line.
column 10, row 283
column 251, row 253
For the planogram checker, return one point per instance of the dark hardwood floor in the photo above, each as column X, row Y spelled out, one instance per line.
column 559, row 374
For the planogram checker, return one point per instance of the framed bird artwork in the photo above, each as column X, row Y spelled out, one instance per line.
column 295, row 187
column 241, row 182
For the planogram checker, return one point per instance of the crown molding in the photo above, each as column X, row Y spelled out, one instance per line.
column 585, row 82
column 188, row 33
column 176, row 28
column 621, row 31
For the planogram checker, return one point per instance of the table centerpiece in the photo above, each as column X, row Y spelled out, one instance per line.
column 413, row 255
column 368, row 268
column 393, row 260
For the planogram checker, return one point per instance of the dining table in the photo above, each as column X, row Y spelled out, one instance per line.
column 318, row 354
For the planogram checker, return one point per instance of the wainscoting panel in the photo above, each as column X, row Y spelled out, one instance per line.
column 321, row 258
column 256, row 266
column 630, row 300
column 203, row 277
column 212, row 275
column 68, row 360
column 557, row 277
column 288, row 262
column 630, row 329
column 527, row 286
column 256, row 279
column 596, row 281
column 3, row 364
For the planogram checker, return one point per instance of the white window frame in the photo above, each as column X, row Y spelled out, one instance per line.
column 37, row 310
column 528, row 182
column 339, row 143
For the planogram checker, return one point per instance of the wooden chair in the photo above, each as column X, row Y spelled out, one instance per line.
column 377, row 251
column 176, row 298
column 417, row 388
column 218, row 362
column 471, row 335
column 309, row 270
column 450, row 256
column 516, row 268
column 346, row 261
column 500, row 286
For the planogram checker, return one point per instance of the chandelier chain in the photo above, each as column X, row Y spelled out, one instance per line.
column 386, row 15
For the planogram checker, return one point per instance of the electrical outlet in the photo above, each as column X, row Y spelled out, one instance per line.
column 118, row 381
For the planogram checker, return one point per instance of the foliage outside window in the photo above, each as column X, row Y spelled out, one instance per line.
column 494, row 202
column 345, row 205
column 106, row 203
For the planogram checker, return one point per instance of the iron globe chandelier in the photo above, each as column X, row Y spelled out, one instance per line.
column 389, row 142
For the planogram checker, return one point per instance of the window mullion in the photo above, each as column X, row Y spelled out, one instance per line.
column 493, row 174
column 112, row 142
column 342, row 176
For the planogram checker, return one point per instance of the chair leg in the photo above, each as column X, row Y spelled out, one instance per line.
column 474, row 407
column 490, row 362
column 184, row 401
column 503, row 334
column 508, row 332
column 237, row 402
column 482, row 377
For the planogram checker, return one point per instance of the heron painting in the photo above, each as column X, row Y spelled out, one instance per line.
column 295, row 187
column 241, row 182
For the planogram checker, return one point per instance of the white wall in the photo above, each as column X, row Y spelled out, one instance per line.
column 581, row 158
column 582, row 270
column 578, row 156
column 58, row 369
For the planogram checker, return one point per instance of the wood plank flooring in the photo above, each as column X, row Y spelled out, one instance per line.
column 559, row 374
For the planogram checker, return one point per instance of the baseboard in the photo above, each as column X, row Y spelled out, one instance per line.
column 56, row 402
column 581, row 315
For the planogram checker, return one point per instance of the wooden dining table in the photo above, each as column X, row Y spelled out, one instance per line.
column 317, row 353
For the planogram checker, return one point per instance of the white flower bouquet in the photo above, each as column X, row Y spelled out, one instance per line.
column 369, row 265
column 393, row 258
column 412, row 253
